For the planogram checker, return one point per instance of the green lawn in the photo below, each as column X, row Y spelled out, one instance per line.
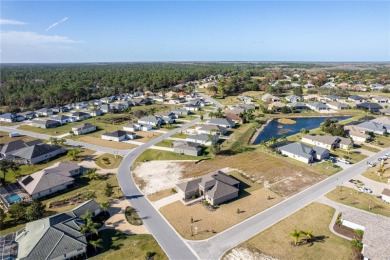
column 111, row 161
column 117, row 245
column 353, row 156
column 166, row 143
column 150, row 155
column 368, row 148
column 276, row 242
column 360, row 200
column 180, row 135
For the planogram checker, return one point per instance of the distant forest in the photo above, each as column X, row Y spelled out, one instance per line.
column 31, row 86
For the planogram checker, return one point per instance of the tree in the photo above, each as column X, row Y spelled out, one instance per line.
column 89, row 227
column 273, row 140
column 7, row 166
column 215, row 148
column 17, row 211
column 74, row 154
column 61, row 141
column 108, row 190
column 53, row 141
column 105, row 205
column 298, row 91
column 97, row 243
column 296, row 235
column 309, row 235
column 35, row 210
column 263, row 144
column 3, row 215
column 304, row 131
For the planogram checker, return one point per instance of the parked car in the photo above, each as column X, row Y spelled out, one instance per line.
column 365, row 189
column 15, row 134
column 371, row 164
column 343, row 160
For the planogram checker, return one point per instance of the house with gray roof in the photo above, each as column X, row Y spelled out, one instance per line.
column 299, row 106
column 293, row 98
column 37, row 153
column 188, row 148
column 56, row 237
column 337, row 106
column 211, row 129
column 50, row 180
column 7, row 117
column 317, row 106
column 356, row 98
column 356, row 134
column 44, row 112
column 48, row 123
column 385, row 121
column 328, row 141
column 151, row 120
column 14, row 146
column 118, row 136
column 181, row 111
column 80, row 116
column 63, row 119
column 216, row 188
column 303, row 152
column 372, row 127
column 225, row 122
column 203, row 139
column 380, row 99
column 372, row 107
column 83, row 128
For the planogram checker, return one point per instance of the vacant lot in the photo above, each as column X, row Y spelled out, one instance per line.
column 105, row 143
column 150, row 155
column 146, row 136
column 166, row 143
column 359, row 200
column 4, row 138
column 275, row 241
column 261, row 167
column 117, row 245
column 208, row 223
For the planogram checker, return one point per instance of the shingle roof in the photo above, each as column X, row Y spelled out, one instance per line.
column 200, row 137
column 371, row 126
column 220, row 190
column 36, row 151
column 13, row 146
column 83, row 126
column 189, row 185
column 297, row 148
column 117, row 133
column 188, row 146
column 220, row 121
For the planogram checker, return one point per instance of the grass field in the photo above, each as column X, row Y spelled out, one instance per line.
column 180, row 135
column 208, row 223
column 166, row 143
column 359, row 200
column 146, row 136
column 372, row 173
column 368, row 148
column 117, row 245
column 160, row 195
column 106, row 143
column 275, row 241
column 111, row 162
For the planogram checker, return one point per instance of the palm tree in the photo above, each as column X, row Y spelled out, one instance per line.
column 296, row 235
column 61, row 141
column 97, row 243
column 309, row 235
column 89, row 227
column 105, row 206
column 53, row 141
column 263, row 144
column 74, row 153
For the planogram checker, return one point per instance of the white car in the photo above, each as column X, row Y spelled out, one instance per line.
column 371, row 164
column 343, row 160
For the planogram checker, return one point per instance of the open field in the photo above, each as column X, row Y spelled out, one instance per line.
column 276, row 242
column 359, row 200
column 106, row 143
column 166, row 143
column 146, row 136
column 263, row 168
column 208, row 223
column 117, row 245
column 111, row 162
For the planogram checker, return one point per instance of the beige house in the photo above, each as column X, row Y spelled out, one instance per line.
column 83, row 128
column 328, row 141
column 386, row 195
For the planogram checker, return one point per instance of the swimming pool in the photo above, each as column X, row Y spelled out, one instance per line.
column 12, row 198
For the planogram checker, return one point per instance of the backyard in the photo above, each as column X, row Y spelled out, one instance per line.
column 276, row 242
column 360, row 200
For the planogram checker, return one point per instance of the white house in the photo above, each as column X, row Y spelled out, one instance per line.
column 304, row 153
column 83, row 129
column 151, row 120
column 137, row 127
column 386, row 195
column 118, row 136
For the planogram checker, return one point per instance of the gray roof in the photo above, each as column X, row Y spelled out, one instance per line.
column 153, row 119
column 117, row 133
column 296, row 104
column 220, row 190
column 317, row 105
column 46, row 122
column 83, row 126
column 220, row 121
column 78, row 114
column 219, row 128
column 14, row 146
column 188, row 146
column 7, row 116
column 337, row 104
column 36, row 151
column 200, row 137
column 60, row 117
column 191, row 185
column 54, row 236
column 64, row 167
column 325, row 139
column 373, row 126
column 369, row 105
column 297, row 148
column 320, row 150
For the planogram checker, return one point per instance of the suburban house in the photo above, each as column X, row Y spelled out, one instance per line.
column 356, row 98
column 37, row 153
column 188, row 148
column 385, row 111
column 51, row 180
column 386, row 195
column 106, row 108
column 328, row 141
column 48, row 123
column 14, row 146
column 56, row 237
column 151, row 120
column 7, row 117
column 27, row 115
column 225, row 122
column 303, row 152
column 118, row 136
column 63, row 119
column 337, row 106
column 372, row 127
column 372, row 107
column 359, row 87
column 44, row 112
column 293, row 98
column 181, row 111
column 137, row 127
column 234, row 117
column 376, row 87
column 168, row 117
column 246, row 99
column 80, row 116
column 203, row 139
column 317, row 106
column 95, row 112
column 356, row 134
column 385, row 121
column 270, row 98
column 216, row 188
column 81, row 105
column 211, row 129
column 192, row 107
column 380, row 99
column 376, row 232
column 332, row 98
column 309, row 85
column 297, row 106
column 83, row 128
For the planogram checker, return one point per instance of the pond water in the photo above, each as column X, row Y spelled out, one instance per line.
column 276, row 129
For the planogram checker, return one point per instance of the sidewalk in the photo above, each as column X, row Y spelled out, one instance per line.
column 165, row 201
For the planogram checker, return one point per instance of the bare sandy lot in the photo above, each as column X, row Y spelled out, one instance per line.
column 244, row 253
column 155, row 176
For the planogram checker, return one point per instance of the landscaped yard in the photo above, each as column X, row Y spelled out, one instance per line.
column 117, row 245
column 180, row 135
column 276, row 242
column 108, row 161
column 360, row 200
column 207, row 223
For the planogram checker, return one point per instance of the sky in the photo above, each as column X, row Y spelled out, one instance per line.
column 132, row 31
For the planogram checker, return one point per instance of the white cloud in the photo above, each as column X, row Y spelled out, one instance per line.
column 32, row 38
column 56, row 23
column 11, row 22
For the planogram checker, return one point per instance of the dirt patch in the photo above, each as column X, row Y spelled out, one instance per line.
column 244, row 253
column 155, row 176
column 146, row 136
column 105, row 143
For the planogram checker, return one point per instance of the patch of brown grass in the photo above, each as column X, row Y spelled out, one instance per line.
column 146, row 136
column 208, row 223
column 105, row 143
column 160, row 195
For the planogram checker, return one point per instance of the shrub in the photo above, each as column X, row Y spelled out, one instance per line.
column 357, row 244
column 359, row 232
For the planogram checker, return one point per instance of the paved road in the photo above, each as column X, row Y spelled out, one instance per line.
column 68, row 141
column 216, row 246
